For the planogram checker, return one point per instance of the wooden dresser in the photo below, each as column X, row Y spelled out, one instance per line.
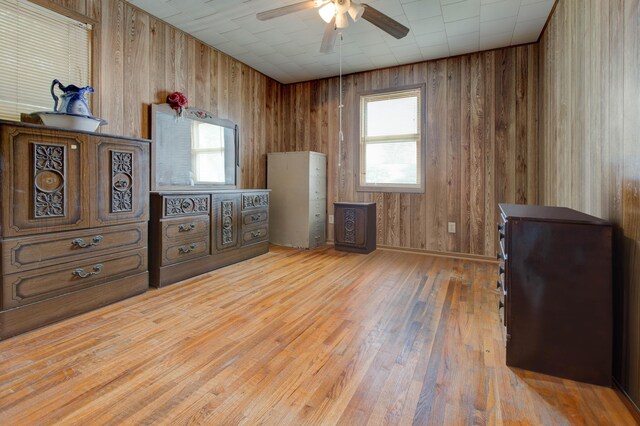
column 74, row 223
column 555, row 278
column 196, row 232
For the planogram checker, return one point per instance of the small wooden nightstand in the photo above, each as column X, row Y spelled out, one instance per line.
column 355, row 227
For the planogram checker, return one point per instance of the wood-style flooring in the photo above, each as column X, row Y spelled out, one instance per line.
column 295, row 337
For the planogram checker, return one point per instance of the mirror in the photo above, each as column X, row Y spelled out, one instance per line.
column 194, row 151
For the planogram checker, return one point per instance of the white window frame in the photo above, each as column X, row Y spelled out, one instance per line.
column 363, row 140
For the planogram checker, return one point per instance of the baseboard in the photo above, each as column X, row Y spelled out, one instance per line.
column 451, row 254
column 454, row 255
column 627, row 401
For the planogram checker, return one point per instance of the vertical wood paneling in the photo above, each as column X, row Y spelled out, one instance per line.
column 589, row 153
column 136, row 70
column 112, row 69
column 481, row 132
column 141, row 59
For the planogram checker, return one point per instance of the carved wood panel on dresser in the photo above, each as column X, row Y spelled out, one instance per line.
column 74, row 223
column 195, row 232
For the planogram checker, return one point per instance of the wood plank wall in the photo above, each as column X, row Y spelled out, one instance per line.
column 481, row 145
column 590, row 140
column 140, row 59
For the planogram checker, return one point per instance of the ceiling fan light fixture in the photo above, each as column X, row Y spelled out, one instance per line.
column 355, row 11
column 342, row 21
column 327, row 12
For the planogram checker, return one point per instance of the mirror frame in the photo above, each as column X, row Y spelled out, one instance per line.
column 197, row 115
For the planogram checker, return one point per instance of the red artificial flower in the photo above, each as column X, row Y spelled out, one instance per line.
column 177, row 100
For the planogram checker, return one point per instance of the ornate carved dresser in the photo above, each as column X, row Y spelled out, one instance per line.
column 74, row 223
column 196, row 232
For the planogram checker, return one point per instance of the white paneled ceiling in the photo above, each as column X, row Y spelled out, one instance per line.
column 287, row 48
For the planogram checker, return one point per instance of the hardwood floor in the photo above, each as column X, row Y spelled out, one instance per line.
column 294, row 337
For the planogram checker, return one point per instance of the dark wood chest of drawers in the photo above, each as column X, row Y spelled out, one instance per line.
column 556, row 291
column 196, row 232
column 75, row 207
column 355, row 227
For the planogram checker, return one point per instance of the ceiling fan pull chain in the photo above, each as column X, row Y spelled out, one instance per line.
column 340, row 106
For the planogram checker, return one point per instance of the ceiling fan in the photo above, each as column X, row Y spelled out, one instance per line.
column 334, row 13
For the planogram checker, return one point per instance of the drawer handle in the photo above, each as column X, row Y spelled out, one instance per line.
column 317, row 214
column 499, row 284
column 79, row 242
column 84, row 274
column 185, row 250
column 255, row 234
column 499, row 256
column 501, row 234
column 500, row 270
column 500, row 227
column 185, row 228
column 256, row 217
column 500, row 305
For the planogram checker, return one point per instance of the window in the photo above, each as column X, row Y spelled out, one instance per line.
column 391, row 150
column 37, row 46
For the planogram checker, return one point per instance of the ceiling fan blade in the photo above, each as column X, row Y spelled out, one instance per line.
column 383, row 22
column 329, row 37
column 285, row 10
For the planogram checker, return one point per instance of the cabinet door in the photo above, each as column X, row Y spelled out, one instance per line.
column 226, row 210
column 43, row 189
column 350, row 225
column 123, row 181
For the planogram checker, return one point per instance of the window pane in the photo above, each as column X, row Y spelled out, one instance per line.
column 210, row 167
column 393, row 163
column 209, row 136
column 392, row 116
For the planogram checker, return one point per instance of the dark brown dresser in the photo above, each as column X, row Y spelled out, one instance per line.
column 556, row 291
column 75, row 207
column 355, row 227
column 195, row 232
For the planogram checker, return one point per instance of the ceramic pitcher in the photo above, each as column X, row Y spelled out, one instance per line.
column 73, row 99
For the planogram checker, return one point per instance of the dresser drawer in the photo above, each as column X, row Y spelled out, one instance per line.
column 254, row 235
column 40, row 284
column 175, row 252
column 52, row 249
column 254, row 200
column 185, row 205
column 255, row 217
column 184, row 228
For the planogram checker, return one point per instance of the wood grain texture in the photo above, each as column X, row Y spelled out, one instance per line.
column 481, row 129
column 139, row 59
column 386, row 338
column 589, row 145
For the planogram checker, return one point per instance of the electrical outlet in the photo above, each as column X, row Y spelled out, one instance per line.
column 330, row 218
column 452, row 227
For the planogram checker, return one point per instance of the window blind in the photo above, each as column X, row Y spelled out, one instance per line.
column 37, row 46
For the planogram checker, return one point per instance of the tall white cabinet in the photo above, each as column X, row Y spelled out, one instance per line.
column 298, row 205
